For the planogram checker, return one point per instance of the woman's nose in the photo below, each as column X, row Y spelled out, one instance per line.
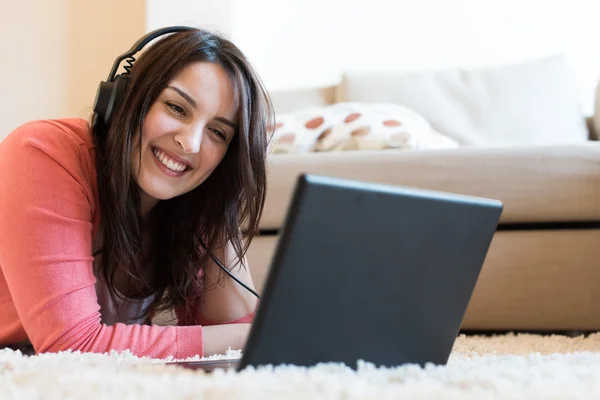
column 190, row 139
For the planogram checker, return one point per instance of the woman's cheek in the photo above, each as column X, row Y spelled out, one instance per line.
column 159, row 123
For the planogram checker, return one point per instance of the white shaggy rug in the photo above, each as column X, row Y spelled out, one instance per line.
column 507, row 367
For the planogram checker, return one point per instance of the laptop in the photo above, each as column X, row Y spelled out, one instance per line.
column 366, row 271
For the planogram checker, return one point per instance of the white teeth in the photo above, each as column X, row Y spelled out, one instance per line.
column 168, row 162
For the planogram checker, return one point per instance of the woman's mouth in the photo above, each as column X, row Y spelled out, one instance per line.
column 168, row 164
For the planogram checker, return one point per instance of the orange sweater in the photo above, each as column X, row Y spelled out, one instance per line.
column 49, row 216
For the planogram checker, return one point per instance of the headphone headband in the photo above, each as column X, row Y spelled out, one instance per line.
column 110, row 92
column 139, row 45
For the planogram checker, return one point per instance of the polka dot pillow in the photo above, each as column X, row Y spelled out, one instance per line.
column 354, row 126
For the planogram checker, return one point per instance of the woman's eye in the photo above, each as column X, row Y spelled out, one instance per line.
column 176, row 108
column 219, row 133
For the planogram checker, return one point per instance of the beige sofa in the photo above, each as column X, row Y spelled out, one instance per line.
column 543, row 268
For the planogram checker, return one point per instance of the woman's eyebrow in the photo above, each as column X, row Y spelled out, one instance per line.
column 186, row 96
column 226, row 122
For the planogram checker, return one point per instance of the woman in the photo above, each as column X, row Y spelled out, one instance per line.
column 102, row 228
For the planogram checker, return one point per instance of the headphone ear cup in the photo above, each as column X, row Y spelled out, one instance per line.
column 108, row 98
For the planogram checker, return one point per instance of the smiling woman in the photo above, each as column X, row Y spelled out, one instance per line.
column 104, row 225
column 186, row 133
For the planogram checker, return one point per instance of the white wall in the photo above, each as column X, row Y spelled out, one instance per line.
column 293, row 43
column 55, row 52
column 297, row 43
column 34, row 72
column 209, row 14
column 94, row 43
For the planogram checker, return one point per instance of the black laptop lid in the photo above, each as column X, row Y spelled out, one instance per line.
column 371, row 272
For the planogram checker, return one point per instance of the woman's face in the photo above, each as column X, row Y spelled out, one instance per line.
column 186, row 133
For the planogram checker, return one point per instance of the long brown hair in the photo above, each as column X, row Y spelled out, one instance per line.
column 189, row 228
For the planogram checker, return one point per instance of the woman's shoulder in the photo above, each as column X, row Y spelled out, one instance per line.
column 68, row 142
column 65, row 140
column 47, row 133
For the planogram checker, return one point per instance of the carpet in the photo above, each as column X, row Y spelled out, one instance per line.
column 510, row 366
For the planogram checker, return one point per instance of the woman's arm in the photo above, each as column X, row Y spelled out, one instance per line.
column 225, row 300
column 47, row 205
column 227, row 309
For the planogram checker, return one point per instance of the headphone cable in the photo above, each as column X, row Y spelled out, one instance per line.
column 233, row 277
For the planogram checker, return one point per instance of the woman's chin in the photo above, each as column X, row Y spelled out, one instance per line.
column 152, row 193
column 159, row 195
column 156, row 188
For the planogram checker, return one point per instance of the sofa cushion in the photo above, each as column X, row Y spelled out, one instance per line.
column 535, row 183
column 354, row 126
column 532, row 102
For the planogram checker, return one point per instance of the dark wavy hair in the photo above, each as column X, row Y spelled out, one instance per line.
column 187, row 229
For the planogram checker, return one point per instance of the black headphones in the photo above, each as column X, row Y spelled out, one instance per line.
column 110, row 93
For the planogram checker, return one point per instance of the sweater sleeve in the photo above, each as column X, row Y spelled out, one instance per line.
column 46, row 253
